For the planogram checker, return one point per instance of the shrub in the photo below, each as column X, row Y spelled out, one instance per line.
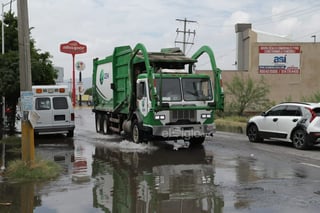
column 19, row 170
column 247, row 94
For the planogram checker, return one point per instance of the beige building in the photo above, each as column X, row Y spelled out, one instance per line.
column 291, row 69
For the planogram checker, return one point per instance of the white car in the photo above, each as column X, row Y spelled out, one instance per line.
column 292, row 121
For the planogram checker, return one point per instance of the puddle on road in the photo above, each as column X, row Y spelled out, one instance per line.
column 123, row 177
column 103, row 173
column 126, row 177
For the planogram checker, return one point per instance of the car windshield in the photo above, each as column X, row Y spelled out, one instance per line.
column 196, row 89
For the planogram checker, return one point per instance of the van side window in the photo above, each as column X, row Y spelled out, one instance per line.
column 60, row 103
column 43, row 104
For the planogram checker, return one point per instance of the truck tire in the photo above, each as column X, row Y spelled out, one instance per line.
column 136, row 132
column 98, row 122
column 196, row 141
column 70, row 134
column 105, row 125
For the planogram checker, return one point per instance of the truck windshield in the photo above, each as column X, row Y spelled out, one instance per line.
column 196, row 89
column 170, row 90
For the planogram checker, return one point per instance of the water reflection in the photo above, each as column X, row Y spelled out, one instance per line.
column 161, row 181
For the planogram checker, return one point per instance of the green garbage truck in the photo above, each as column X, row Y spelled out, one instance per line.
column 156, row 95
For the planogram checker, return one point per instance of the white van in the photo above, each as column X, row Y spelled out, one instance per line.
column 53, row 105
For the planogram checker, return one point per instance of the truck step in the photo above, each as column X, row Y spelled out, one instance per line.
column 114, row 129
column 115, row 120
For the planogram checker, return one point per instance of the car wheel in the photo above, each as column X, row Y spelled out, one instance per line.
column 299, row 139
column 253, row 134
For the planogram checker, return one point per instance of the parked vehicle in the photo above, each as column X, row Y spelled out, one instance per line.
column 53, row 104
column 296, row 122
column 149, row 95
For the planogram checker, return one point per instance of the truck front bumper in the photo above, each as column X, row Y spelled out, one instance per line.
column 184, row 131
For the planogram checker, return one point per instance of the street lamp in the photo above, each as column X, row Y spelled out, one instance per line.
column 2, row 24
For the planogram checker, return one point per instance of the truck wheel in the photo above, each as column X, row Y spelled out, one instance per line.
column 197, row 141
column 98, row 123
column 136, row 132
column 70, row 134
column 105, row 125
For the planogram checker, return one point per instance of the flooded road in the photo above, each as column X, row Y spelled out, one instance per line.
column 107, row 173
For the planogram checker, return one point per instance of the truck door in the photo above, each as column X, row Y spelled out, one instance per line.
column 142, row 97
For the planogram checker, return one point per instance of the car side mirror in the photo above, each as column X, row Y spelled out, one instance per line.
column 263, row 114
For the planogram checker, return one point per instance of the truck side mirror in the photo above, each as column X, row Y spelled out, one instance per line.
column 112, row 86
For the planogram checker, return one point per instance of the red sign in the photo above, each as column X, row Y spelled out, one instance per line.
column 73, row 47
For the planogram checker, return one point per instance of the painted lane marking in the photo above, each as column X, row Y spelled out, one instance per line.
column 312, row 165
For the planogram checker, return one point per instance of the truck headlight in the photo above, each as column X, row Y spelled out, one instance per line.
column 205, row 116
column 160, row 117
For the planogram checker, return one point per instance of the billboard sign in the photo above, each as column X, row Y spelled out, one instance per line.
column 279, row 59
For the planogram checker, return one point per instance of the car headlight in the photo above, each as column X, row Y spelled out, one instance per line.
column 205, row 116
column 160, row 117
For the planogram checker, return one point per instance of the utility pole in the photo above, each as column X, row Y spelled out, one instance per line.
column 185, row 32
column 27, row 135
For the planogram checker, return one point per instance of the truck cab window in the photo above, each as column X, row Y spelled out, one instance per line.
column 141, row 90
column 170, row 89
column 197, row 89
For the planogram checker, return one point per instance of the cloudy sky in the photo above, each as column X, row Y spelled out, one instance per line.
column 104, row 24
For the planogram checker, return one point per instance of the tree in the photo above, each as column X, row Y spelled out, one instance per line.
column 247, row 94
column 88, row 91
column 41, row 67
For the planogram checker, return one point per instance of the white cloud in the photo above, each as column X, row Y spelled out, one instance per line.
column 104, row 24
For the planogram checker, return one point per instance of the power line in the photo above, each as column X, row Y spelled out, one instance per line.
column 186, row 33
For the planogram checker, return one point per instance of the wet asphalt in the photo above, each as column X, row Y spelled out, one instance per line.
column 108, row 173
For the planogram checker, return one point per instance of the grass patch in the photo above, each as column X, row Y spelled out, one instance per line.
column 232, row 124
column 233, row 121
column 19, row 170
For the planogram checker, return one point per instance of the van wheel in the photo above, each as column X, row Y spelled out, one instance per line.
column 70, row 134
column 105, row 125
column 98, row 122
column 136, row 132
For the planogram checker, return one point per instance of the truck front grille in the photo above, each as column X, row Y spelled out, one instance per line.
column 183, row 115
